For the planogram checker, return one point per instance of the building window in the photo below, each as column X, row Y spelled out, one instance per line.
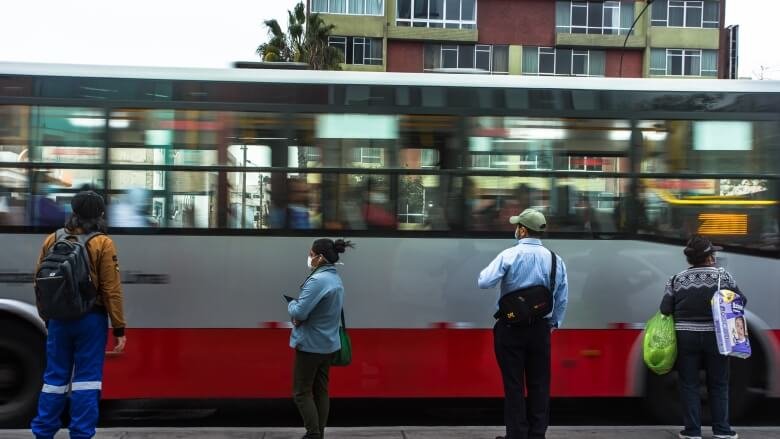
column 686, row 13
column 594, row 17
column 351, row 7
column 563, row 62
column 449, row 14
column 485, row 57
column 359, row 50
column 684, row 62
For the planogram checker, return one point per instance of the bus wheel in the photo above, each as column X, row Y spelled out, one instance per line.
column 22, row 358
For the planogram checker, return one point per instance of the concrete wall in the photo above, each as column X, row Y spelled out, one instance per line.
column 684, row 38
column 358, row 26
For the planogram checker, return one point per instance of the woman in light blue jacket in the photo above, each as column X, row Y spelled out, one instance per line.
column 316, row 315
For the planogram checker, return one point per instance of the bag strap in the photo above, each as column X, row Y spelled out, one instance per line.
column 553, row 271
column 720, row 273
column 343, row 322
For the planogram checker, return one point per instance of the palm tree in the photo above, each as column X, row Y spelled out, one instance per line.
column 306, row 41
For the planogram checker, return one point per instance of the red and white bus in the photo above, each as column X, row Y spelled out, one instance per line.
column 218, row 180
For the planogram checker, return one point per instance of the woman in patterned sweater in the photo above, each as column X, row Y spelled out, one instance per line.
column 688, row 298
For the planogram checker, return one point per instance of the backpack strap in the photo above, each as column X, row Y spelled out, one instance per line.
column 553, row 271
column 85, row 238
column 343, row 322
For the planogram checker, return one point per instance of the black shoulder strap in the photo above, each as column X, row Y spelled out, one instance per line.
column 343, row 322
column 553, row 271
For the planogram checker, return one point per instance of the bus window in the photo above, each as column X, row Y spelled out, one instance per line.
column 358, row 202
column 588, row 204
column 265, row 200
column 179, row 137
column 372, row 141
column 523, row 144
column 176, row 199
column 66, row 135
column 740, row 212
column 709, row 146
column 49, row 204
column 423, row 203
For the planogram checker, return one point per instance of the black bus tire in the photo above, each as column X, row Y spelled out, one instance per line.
column 22, row 362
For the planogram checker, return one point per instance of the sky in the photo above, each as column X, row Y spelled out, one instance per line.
column 202, row 33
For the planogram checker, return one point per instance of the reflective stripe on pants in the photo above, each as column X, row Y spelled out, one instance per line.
column 74, row 360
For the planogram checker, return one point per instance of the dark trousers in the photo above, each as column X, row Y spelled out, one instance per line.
column 695, row 349
column 523, row 354
column 310, row 391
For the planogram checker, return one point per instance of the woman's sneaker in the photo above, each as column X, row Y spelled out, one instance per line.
column 726, row 436
column 685, row 436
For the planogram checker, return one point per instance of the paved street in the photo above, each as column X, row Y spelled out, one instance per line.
column 394, row 433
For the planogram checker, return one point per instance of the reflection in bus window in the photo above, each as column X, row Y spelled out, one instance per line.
column 421, row 204
column 49, row 204
column 175, row 199
column 585, row 204
column 710, row 146
column 134, row 208
column 513, row 143
column 64, row 135
column 13, row 196
column 730, row 211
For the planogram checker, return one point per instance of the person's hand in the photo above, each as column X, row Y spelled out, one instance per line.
column 120, row 344
column 296, row 323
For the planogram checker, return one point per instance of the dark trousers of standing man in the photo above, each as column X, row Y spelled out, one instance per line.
column 310, row 391
column 523, row 354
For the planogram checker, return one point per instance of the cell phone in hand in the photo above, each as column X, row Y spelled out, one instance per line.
column 287, row 298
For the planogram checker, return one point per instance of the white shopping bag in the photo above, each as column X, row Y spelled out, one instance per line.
column 728, row 314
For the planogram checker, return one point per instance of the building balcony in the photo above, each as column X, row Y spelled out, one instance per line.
column 432, row 34
column 565, row 39
column 356, row 25
column 684, row 38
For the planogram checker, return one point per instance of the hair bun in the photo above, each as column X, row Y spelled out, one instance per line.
column 341, row 245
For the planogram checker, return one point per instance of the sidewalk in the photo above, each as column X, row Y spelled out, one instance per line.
column 396, row 433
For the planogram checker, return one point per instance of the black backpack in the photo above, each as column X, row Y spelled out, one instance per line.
column 526, row 305
column 63, row 283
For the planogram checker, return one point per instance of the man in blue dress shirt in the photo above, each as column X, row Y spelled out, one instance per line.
column 523, row 351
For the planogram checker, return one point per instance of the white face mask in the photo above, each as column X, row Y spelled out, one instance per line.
column 308, row 263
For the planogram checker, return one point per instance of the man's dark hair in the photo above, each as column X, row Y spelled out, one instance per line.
column 532, row 233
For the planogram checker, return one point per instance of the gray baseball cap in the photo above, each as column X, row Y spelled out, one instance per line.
column 530, row 218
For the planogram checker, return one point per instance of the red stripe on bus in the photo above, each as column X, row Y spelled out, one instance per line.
column 257, row 363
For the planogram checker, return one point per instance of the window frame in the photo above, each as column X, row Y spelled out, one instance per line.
column 479, row 49
column 586, row 28
column 346, row 8
column 575, row 53
column 351, row 47
column 683, row 54
column 687, row 5
column 442, row 23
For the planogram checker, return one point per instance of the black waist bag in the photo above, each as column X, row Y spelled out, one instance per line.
column 526, row 305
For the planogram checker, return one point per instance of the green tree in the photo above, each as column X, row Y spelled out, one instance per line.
column 306, row 40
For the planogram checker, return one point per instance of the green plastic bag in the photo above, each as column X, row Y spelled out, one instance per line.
column 344, row 355
column 659, row 347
